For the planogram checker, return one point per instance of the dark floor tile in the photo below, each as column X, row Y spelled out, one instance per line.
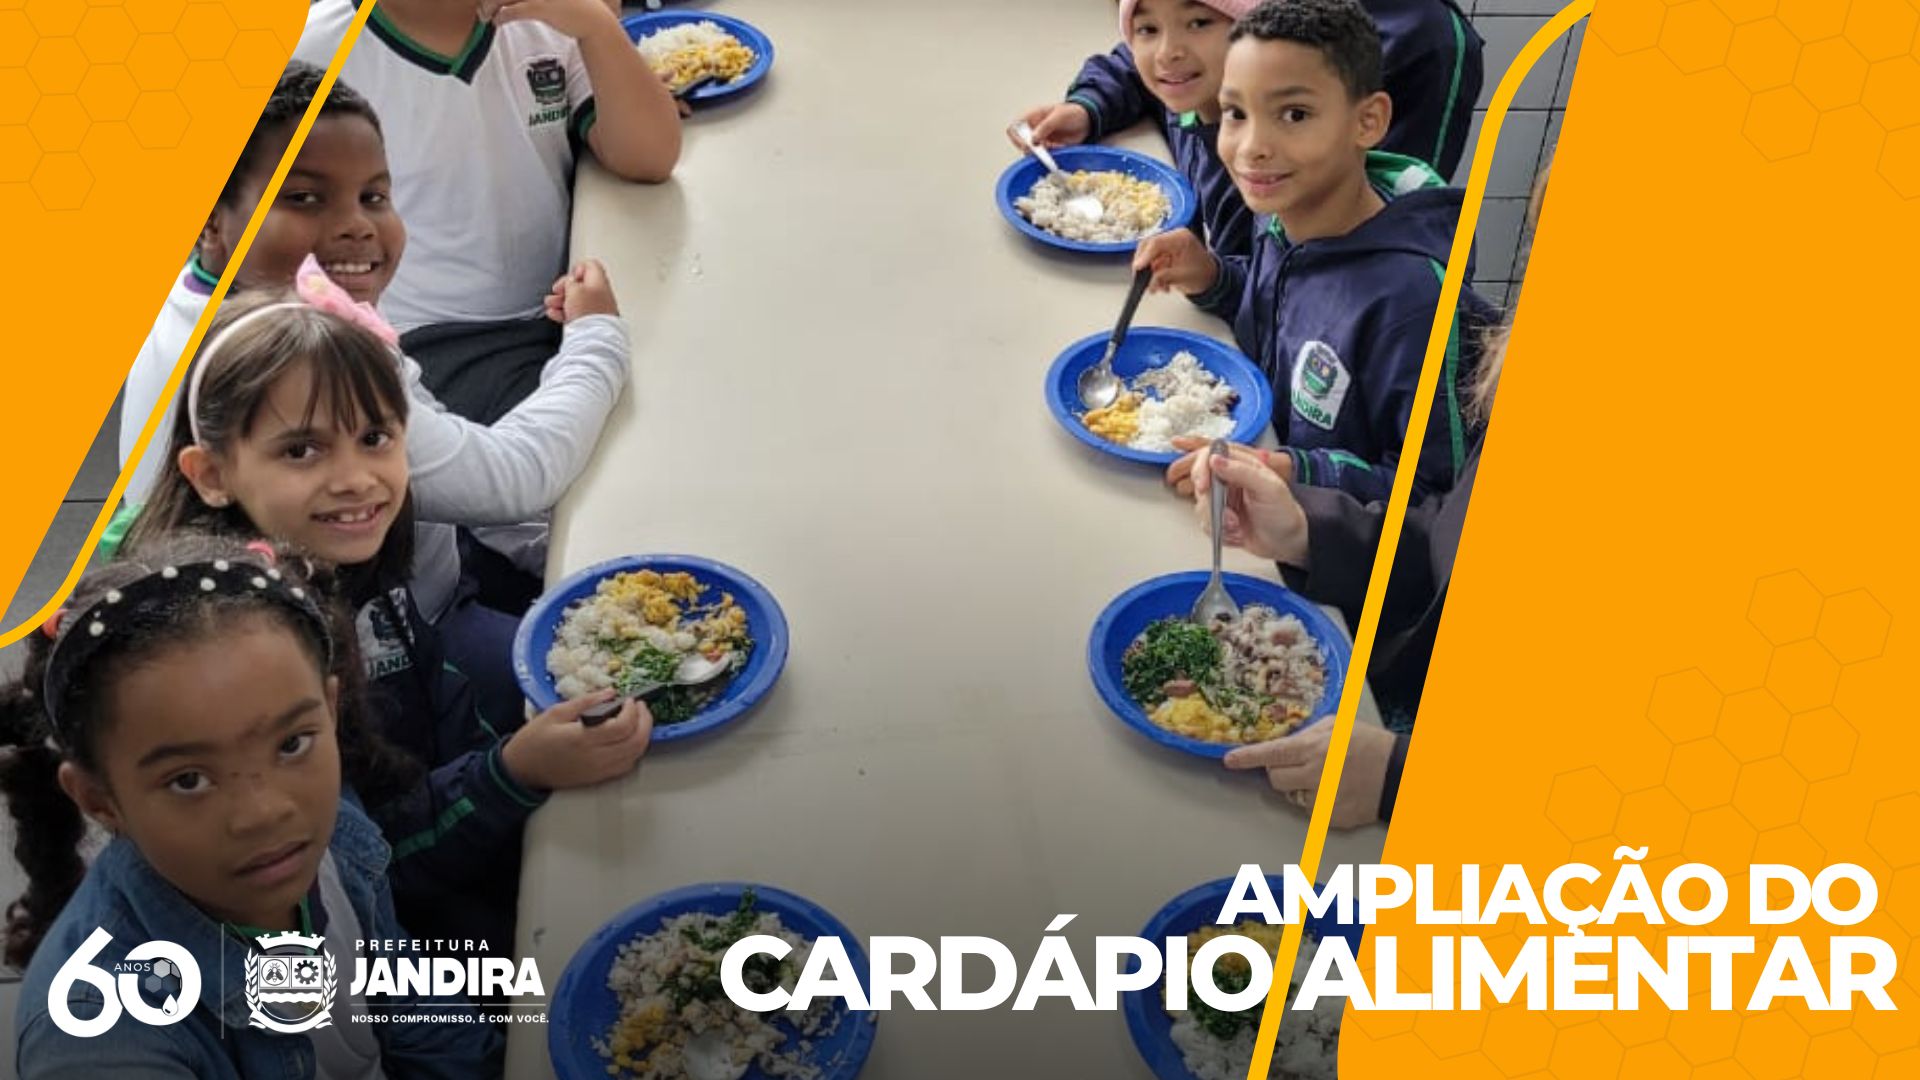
column 50, row 564
column 101, row 468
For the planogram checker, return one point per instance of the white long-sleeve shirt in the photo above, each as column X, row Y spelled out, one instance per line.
column 463, row 473
column 152, row 367
column 472, row 474
column 481, row 148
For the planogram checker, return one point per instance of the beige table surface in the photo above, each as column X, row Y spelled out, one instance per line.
column 839, row 349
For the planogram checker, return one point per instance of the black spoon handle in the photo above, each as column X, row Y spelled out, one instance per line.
column 1141, row 278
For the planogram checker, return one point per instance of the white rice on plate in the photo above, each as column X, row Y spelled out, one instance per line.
column 1133, row 207
column 1178, row 398
column 637, row 627
column 1270, row 653
column 1191, row 401
column 650, row 979
column 1307, row 1047
column 689, row 51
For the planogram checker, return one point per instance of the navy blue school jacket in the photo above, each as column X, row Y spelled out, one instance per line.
column 1431, row 66
column 1110, row 89
column 1339, row 326
column 1433, row 71
column 456, row 833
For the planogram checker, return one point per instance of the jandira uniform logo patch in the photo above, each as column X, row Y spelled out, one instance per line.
column 1320, row 385
column 384, row 642
column 547, row 78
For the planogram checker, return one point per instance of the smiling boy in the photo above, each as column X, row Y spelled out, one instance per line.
column 1338, row 298
column 488, row 107
column 1168, row 68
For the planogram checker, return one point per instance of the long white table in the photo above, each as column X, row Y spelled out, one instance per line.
column 839, row 349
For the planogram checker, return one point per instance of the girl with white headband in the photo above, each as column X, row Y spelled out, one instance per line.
column 337, row 205
column 294, row 428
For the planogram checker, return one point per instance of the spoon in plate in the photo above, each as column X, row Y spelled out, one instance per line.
column 694, row 670
column 1215, row 603
column 684, row 92
column 1087, row 207
column 1098, row 386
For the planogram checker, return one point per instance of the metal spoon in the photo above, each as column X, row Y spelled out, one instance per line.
column 1099, row 387
column 694, row 670
column 1082, row 206
column 1215, row 603
column 706, row 1058
column 696, row 84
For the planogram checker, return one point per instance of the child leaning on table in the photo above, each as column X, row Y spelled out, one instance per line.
column 488, row 105
column 294, row 428
column 200, row 707
column 1337, row 301
column 337, row 206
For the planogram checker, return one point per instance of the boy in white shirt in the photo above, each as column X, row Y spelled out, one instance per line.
column 335, row 205
column 486, row 104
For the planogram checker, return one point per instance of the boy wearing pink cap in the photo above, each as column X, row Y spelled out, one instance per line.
column 1168, row 66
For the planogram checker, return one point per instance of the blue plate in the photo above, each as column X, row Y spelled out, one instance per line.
column 650, row 23
column 766, row 624
column 1198, row 907
column 1173, row 594
column 1149, row 347
column 583, row 1007
column 1023, row 174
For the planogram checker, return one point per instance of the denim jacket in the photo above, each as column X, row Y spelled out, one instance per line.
column 126, row 897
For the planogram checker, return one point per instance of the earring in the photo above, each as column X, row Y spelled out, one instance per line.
column 218, row 502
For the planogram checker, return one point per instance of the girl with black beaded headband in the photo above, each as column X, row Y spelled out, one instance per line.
column 198, row 704
column 294, row 427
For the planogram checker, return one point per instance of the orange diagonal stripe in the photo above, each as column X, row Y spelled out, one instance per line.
column 199, row 331
column 1364, row 636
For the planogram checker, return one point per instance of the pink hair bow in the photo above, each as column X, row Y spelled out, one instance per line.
column 313, row 288
column 319, row 291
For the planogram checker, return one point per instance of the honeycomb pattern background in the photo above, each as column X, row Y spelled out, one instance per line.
column 84, row 82
column 1809, row 68
column 1739, row 775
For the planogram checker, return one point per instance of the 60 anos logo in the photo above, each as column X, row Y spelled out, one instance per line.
column 154, row 966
